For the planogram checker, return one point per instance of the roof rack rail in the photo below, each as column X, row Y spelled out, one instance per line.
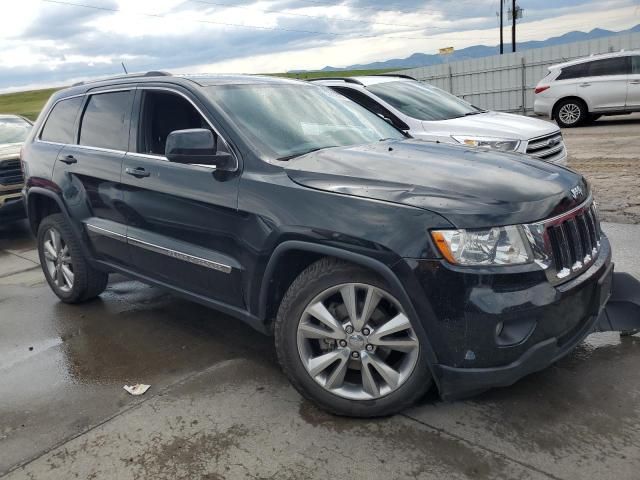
column 344, row 79
column 152, row 73
column 399, row 75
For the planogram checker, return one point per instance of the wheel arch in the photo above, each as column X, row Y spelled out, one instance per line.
column 316, row 252
column 42, row 202
column 568, row 97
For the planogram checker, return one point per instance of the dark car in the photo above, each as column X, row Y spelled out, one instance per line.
column 13, row 132
column 382, row 265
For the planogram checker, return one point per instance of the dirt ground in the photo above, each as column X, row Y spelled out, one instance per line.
column 608, row 154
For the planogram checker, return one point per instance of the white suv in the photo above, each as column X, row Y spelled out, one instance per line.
column 431, row 114
column 583, row 90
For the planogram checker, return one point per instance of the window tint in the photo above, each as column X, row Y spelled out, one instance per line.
column 371, row 105
column 61, row 120
column 163, row 113
column 636, row 64
column 105, row 122
column 609, row 66
column 574, row 71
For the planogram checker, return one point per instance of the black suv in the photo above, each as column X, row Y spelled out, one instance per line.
column 383, row 265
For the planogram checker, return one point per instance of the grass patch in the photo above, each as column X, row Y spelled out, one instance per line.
column 28, row 104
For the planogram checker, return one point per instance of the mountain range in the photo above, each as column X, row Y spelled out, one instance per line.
column 477, row 51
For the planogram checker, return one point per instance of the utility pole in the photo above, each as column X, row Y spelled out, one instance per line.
column 501, row 33
column 514, row 17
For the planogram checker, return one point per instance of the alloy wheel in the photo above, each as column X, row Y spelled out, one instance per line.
column 356, row 341
column 58, row 260
column 569, row 113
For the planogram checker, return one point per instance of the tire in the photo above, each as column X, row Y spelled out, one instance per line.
column 327, row 283
column 570, row 113
column 66, row 269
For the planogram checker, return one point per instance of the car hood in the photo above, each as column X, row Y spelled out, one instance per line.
column 472, row 188
column 10, row 151
column 493, row 124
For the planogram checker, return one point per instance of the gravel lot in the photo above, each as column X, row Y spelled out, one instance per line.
column 608, row 154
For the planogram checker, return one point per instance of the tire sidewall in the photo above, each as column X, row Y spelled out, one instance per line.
column 581, row 119
column 54, row 221
column 286, row 331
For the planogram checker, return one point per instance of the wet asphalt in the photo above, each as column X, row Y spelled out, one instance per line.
column 219, row 406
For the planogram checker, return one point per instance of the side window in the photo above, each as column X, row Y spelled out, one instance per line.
column 574, row 71
column 636, row 64
column 610, row 66
column 371, row 105
column 60, row 122
column 163, row 113
column 105, row 122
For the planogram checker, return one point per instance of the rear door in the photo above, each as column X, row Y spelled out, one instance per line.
column 182, row 218
column 604, row 86
column 90, row 168
column 633, row 92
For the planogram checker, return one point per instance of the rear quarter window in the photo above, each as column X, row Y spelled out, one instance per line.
column 105, row 122
column 59, row 125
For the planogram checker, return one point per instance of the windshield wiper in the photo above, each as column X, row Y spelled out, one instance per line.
column 476, row 112
column 299, row 154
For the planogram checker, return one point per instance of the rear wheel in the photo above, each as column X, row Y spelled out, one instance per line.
column 346, row 343
column 570, row 113
column 66, row 269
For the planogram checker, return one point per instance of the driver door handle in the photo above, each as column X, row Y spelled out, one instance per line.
column 137, row 172
column 585, row 84
column 69, row 159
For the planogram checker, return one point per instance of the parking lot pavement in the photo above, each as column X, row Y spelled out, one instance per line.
column 606, row 152
column 219, row 407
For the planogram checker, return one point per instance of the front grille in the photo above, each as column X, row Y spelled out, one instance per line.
column 548, row 147
column 10, row 172
column 573, row 241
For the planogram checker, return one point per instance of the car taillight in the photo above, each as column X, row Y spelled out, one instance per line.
column 542, row 89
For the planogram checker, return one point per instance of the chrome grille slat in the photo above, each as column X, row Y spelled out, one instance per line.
column 566, row 245
column 10, row 172
column 546, row 147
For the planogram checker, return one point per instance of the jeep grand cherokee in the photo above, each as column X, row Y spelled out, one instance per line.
column 382, row 265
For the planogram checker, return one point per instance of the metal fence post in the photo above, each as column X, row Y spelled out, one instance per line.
column 524, row 86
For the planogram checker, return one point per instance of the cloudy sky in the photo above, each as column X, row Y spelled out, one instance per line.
column 54, row 42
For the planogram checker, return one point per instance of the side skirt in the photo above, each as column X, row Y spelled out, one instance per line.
column 235, row 312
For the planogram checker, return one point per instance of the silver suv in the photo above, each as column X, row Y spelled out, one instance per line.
column 583, row 90
column 429, row 113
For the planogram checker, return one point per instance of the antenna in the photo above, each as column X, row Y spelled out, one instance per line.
column 124, row 68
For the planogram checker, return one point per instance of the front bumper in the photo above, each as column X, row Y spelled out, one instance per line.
column 467, row 310
column 12, row 206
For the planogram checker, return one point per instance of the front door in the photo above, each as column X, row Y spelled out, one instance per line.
column 92, row 165
column 181, row 218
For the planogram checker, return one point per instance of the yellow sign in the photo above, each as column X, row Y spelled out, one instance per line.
column 446, row 51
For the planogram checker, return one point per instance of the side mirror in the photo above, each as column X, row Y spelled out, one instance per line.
column 197, row 146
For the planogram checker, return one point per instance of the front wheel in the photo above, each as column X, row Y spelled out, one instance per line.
column 571, row 113
column 346, row 343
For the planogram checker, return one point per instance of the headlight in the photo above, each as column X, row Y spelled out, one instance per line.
column 491, row 246
column 502, row 144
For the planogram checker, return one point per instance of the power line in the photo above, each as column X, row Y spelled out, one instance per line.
column 281, row 12
column 239, row 25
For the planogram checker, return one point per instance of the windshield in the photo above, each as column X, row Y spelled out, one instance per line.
column 422, row 101
column 285, row 121
column 13, row 130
